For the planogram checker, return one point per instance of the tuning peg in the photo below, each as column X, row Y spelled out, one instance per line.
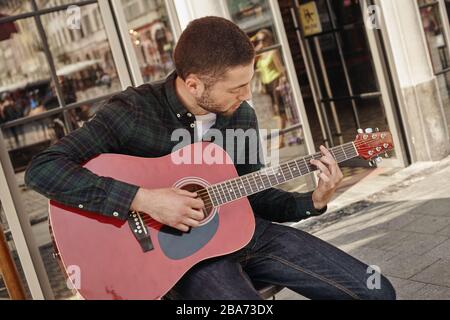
column 369, row 130
column 386, row 155
column 377, row 130
column 360, row 131
column 378, row 159
column 371, row 164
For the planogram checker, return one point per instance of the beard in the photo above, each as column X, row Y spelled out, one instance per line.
column 208, row 104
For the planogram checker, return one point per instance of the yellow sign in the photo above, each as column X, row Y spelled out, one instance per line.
column 310, row 19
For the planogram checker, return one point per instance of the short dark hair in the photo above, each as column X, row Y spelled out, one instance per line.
column 210, row 46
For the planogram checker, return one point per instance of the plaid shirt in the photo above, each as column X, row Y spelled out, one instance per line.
column 139, row 122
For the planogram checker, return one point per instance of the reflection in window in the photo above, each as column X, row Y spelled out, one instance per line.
column 272, row 93
column 152, row 39
column 24, row 78
column 434, row 31
column 438, row 48
column 250, row 15
column 83, row 58
column 14, row 7
column 84, row 66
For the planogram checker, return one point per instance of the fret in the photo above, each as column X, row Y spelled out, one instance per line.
column 227, row 198
column 344, row 152
column 354, row 147
column 307, row 166
column 243, row 187
column 285, row 171
column 228, row 191
column 294, row 169
column 351, row 149
column 275, row 174
column 334, row 155
column 217, row 192
column 244, row 182
column 304, row 167
column 258, row 185
column 290, row 171
column 210, row 195
column 281, row 173
column 250, row 184
column 236, row 188
column 265, row 178
column 298, row 167
column 273, row 177
column 230, row 186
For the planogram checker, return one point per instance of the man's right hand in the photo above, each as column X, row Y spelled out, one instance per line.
column 176, row 208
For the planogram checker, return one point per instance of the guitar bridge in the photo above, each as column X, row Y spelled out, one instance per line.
column 140, row 231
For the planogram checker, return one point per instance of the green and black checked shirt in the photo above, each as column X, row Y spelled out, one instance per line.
column 139, row 122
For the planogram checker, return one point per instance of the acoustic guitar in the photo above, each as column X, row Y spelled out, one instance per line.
column 107, row 258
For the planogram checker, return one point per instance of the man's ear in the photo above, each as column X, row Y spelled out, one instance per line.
column 194, row 85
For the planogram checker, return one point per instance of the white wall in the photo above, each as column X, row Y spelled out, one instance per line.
column 408, row 42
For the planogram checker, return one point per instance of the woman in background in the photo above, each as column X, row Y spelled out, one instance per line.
column 272, row 74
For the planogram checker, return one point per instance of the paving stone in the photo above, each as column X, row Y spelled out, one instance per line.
column 432, row 292
column 428, row 224
column 437, row 274
column 441, row 251
column 404, row 265
column 416, row 243
column 405, row 289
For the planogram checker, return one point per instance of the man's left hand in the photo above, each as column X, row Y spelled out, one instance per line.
column 330, row 177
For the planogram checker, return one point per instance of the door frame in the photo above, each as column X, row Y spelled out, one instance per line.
column 381, row 69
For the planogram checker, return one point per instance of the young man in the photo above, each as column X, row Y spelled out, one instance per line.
column 214, row 66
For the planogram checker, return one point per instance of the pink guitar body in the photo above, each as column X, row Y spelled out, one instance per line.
column 101, row 254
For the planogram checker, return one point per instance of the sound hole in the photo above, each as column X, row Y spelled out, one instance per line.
column 202, row 194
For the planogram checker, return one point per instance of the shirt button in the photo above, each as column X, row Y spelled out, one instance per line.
column 192, row 125
column 80, row 206
column 308, row 213
column 178, row 115
column 115, row 214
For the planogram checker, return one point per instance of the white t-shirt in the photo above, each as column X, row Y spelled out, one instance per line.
column 203, row 124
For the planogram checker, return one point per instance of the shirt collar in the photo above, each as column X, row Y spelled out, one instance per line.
column 178, row 108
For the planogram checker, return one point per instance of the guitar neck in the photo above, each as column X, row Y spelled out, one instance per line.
column 243, row 186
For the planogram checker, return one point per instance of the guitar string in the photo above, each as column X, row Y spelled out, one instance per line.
column 205, row 193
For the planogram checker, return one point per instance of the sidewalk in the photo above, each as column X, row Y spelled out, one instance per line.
column 398, row 220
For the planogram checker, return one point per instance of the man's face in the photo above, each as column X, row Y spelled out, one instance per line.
column 226, row 95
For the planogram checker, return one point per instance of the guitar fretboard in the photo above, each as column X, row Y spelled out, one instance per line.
column 243, row 186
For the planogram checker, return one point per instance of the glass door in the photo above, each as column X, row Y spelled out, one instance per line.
column 336, row 69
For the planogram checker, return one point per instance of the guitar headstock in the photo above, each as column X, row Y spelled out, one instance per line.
column 371, row 144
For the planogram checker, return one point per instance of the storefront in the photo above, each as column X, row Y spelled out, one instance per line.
column 335, row 73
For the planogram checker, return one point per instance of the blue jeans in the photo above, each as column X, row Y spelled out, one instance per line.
column 284, row 256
